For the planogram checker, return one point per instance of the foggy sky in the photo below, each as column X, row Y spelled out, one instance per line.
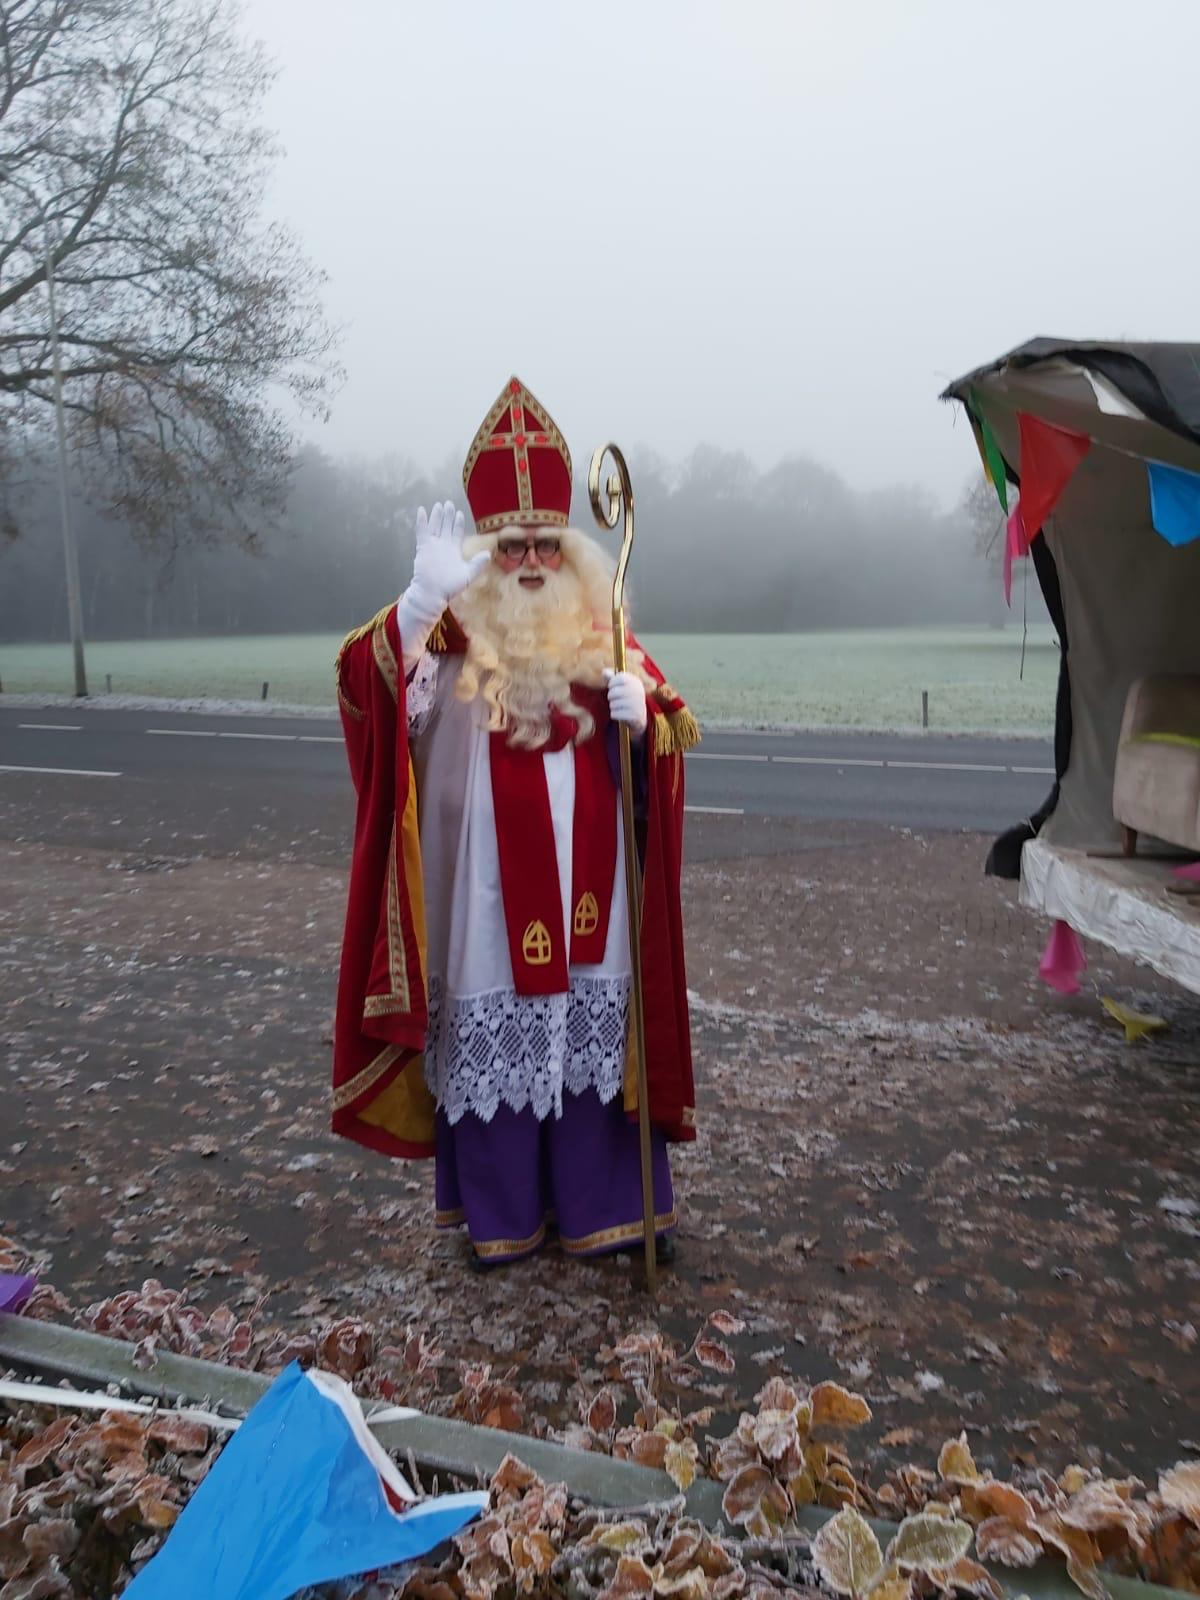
column 775, row 227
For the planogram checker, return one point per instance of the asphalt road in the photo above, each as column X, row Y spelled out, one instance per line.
column 213, row 778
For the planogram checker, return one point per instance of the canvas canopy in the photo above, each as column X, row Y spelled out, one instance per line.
column 1124, row 601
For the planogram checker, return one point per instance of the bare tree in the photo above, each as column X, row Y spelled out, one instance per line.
column 130, row 154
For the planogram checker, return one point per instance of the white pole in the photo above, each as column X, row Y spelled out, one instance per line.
column 71, row 554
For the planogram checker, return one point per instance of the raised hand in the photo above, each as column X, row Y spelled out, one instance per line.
column 440, row 570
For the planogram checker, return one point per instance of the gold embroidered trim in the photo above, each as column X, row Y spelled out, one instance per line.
column 675, row 732
column 521, row 519
column 397, row 962
column 348, row 705
column 450, row 1219
column 362, row 631
column 385, row 660
column 509, row 1247
column 384, row 1005
column 370, row 1074
column 627, row 1233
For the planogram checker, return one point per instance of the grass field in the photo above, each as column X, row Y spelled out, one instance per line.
column 852, row 678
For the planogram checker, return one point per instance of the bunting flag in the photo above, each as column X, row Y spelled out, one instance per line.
column 1174, row 502
column 1137, row 1024
column 15, row 1289
column 993, row 461
column 302, row 1494
column 1049, row 457
column 1016, row 545
column 1063, row 959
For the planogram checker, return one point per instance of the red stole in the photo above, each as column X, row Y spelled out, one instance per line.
column 529, row 884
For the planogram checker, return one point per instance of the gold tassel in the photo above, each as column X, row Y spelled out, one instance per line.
column 436, row 641
column 675, row 732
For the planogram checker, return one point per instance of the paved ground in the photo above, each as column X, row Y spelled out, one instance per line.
column 916, row 1169
column 931, row 781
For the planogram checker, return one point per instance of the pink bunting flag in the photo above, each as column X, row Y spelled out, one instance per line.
column 1049, row 456
column 1190, row 872
column 1015, row 546
column 1063, row 959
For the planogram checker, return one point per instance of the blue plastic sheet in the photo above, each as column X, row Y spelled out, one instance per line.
column 295, row 1498
column 1174, row 502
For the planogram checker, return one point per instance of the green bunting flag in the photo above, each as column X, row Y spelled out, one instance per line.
column 992, row 459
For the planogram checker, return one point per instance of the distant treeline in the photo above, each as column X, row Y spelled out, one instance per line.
column 721, row 547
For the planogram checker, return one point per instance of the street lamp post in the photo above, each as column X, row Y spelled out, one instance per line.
column 70, row 551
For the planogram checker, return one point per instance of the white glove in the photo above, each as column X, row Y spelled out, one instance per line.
column 627, row 700
column 440, row 571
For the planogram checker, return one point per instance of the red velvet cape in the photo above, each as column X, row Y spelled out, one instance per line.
column 379, row 1094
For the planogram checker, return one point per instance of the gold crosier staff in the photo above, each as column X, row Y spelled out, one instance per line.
column 607, row 505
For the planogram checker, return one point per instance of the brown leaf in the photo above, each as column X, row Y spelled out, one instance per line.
column 180, row 1434
column 1098, row 1508
column 650, row 1449
column 928, row 1543
column 754, row 1501
column 968, row 1577
column 835, row 1409
column 898, row 1438
column 601, row 1415
column 846, row 1553
column 998, row 1539
column 680, row 1462
column 725, row 1322
column 714, row 1355
column 990, row 1498
column 777, row 1395
column 775, row 1433
column 1180, row 1489
column 955, row 1461
column 632, row 1578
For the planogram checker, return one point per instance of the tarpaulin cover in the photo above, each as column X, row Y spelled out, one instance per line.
column 302, row 1494
column 1123, row 902
column 1126, row 600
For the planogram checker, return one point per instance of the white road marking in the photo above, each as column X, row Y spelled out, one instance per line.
column 290, row 736
column 717, row 811
column 716, row 755
column 64, row 727
column 64, row 772
column 1045, row 772
column 947, row 766
column 827, row 761
column 185, row 733
column 321, row 738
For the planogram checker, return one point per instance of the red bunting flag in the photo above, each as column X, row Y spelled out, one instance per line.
column 1049, row 456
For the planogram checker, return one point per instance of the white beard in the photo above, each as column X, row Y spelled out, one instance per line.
column 527, row 646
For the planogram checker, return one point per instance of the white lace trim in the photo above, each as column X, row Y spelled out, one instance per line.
column 483, row 1050
column 422, row 693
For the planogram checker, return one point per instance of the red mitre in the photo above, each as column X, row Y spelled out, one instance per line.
column 518, row 469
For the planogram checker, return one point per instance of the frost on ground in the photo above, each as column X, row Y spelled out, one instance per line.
column 861, row 678
column 917, row 1171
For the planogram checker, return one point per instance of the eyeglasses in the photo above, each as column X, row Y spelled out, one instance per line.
column 514, row 549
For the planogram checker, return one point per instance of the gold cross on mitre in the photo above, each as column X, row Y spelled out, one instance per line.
column 518, row 438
